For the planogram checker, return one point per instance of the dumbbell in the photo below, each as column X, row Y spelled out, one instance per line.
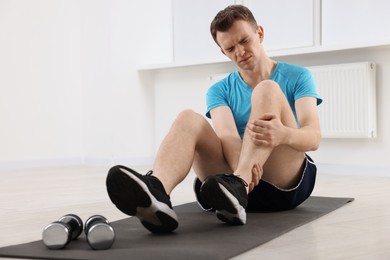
column 100, row 234
column 58, row 234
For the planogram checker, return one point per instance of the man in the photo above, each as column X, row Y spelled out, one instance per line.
column 265, row 119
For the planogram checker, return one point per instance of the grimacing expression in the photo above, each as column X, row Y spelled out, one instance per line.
column 241, row 43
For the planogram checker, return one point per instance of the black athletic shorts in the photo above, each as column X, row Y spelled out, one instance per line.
column 268, row 197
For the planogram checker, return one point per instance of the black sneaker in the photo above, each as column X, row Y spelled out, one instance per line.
column 142, row 196
column 227, row 195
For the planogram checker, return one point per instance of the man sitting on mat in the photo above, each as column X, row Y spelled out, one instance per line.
column 264, row 119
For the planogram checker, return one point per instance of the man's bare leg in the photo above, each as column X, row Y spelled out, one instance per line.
column 281, row 165
column 191, row 141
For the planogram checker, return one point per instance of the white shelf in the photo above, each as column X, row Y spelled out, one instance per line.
column 322, row 49
column 174, row 65
column 272, row 54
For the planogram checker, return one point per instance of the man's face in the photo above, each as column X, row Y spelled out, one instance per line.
column 241, row 43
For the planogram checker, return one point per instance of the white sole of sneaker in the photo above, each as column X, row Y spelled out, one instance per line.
column 158, row 216
column 235, row 218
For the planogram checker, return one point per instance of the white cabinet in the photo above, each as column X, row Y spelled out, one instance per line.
column 193, row 42
column 355, row 22
column 290, row 27
column 287, row 24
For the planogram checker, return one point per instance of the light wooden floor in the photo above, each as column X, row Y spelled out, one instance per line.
column 30, row 199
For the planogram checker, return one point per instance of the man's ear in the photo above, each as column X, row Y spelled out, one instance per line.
column 260, row 32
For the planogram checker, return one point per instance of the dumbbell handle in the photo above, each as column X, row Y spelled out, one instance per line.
column 75, row 223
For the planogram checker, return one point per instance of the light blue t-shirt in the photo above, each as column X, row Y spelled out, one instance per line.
column 295, row 81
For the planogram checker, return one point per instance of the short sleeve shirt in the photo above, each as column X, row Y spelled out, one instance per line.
column 295, row 82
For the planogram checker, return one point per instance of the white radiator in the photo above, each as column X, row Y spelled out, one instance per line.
column 349, row 93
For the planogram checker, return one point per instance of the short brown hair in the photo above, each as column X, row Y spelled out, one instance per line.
column 226, row 17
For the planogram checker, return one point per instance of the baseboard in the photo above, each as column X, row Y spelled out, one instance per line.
column 338, row 169
column 77, row 161
column 131, row 161
column 354, row 170
column 41, row 163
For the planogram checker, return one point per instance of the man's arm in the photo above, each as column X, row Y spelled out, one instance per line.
column 308, row 136
column 226, row 130
column 269, row 130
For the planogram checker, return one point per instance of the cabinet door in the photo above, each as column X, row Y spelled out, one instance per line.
column 192, row 39
column 287, row 24
column 355, row 22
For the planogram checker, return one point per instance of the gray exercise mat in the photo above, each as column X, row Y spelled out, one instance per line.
column 200, row 235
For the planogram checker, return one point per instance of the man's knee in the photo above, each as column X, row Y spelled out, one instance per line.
column 269, row 96
column 267, row 89
column 189, row 119
column 188, row 115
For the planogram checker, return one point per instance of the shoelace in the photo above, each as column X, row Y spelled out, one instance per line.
column 150, row 173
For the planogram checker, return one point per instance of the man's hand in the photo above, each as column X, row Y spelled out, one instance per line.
column 267, row 131
column 257, row 172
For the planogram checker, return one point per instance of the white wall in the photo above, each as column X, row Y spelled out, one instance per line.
column 40, row 81
column 70, row 91
column 119, row 36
